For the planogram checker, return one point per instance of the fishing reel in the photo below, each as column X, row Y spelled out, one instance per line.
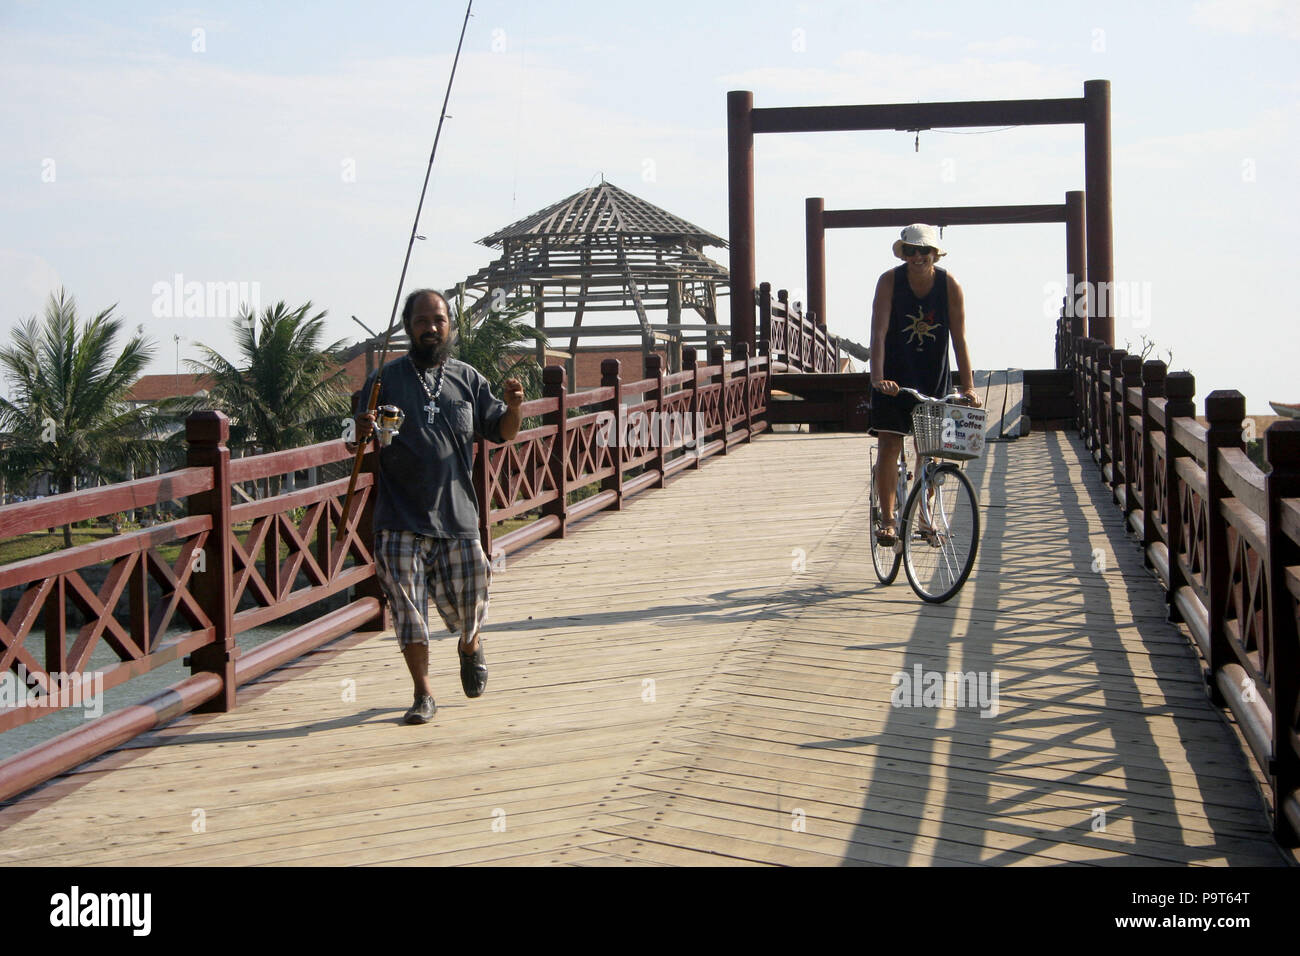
column 388, row 422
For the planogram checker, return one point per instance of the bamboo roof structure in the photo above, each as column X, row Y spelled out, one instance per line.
column 602, row 210
column 604, row 249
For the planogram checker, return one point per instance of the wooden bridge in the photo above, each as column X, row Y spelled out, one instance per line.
column 708, row 671
column 709, row 675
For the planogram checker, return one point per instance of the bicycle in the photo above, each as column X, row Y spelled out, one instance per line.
column 936, row 534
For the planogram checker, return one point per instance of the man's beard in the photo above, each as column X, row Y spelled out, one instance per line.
column 431, row 355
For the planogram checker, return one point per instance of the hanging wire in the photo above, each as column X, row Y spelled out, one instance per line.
column 916, row 144
column 973, row 132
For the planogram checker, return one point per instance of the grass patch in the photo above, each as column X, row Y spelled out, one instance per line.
column 38, row 543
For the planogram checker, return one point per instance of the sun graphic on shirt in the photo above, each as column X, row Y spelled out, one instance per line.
column 922, row 326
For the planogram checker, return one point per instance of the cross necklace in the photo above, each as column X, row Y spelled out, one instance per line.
column 432, row 407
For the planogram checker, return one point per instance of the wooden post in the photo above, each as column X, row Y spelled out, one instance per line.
column 740, row 213
column 793, row 339
column 1096, row 165
column 483, row 493
column 371, row 587
column 610, row 378
column 1090, row 394
column 718, row 357
column 815, row 256
column 539, row 315
column 1153, row 386
column 553, row 387
column 674, row 325
column 1282, row 452
column 206, row 434
column 1101, row 450
column 654, row 368
column 1080, row 386
column 1131, row 372
column 1224, row 410
column 743, row 353
column 1076, row 263
column 765, row 318
column 1115, row 421
column 1180, row 387
column 689, row 365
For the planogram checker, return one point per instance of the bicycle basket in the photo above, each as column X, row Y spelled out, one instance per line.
column 948, row 431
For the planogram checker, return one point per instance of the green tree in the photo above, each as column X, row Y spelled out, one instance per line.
column 69, row 415
column 489, row 340
column 284, row 390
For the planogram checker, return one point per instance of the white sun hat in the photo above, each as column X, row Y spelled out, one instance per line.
column 919, row 234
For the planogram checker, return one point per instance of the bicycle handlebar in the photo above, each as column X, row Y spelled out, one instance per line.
column 956, row 398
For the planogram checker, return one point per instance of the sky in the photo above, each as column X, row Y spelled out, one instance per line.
column 282, row 147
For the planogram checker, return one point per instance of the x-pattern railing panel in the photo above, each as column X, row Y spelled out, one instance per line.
column 136, row 636
column 589, row 458
column 1246, row 610
column 709, row 407
column 642, row 434
column 735, row 397
column 519, row 472
column 1192, row 512
column 1161, row 503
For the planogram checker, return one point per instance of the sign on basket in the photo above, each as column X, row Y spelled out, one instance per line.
column 949, row 431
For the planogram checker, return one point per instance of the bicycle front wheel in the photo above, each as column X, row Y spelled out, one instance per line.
column 885, row 560
column 941, row 532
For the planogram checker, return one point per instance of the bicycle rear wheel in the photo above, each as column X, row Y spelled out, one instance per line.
column 940, row 537
column 885, row 560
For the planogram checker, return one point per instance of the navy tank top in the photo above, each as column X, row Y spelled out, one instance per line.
column 916, row 345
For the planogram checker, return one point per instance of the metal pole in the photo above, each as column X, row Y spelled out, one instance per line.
column 373, row 398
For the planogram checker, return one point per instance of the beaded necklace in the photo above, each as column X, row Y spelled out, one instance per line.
column 432, row 407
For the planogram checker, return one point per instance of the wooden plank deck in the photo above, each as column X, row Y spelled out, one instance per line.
column 705, row 678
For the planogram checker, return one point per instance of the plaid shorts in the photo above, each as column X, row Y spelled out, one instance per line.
column 410, row 565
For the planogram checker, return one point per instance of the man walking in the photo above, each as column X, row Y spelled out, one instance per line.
column 426, row 513
column 917, row 309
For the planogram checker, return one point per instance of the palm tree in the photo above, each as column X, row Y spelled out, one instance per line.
column 489, row 340
column 285, row 390
column 69, row 414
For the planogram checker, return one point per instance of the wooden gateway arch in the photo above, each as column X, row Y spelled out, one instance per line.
column 1092, row 110
column 817, row 219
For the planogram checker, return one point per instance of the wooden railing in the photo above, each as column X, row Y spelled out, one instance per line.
column 790, row 340
column 625, row 436
column 1222, row 535
column 224, row 578
column 189, row 607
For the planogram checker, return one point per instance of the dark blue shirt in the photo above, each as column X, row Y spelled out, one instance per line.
column 426, row 474
column 916, row 345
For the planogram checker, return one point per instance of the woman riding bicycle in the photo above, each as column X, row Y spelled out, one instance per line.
column 917, row 309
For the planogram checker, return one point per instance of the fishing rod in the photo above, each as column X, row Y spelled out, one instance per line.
column 373, row 399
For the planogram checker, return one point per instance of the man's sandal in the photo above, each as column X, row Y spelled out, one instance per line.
column 473, row 671
column 886, row 536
